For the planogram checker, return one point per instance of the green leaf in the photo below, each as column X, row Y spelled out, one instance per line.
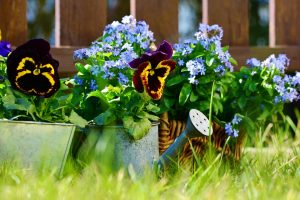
column 225, row 48
column 144, row 114
column 217, row 106
column 242, row 102
column 203, row 106
column 136, row 129
column 252, row 86
column 264, row 115
column 249, row 125
column 105, row 118
column 169, row 101
column 233, row 61
column 205, row 80
column 97, row 94
column 175, row 80
column 209, row 61
column 194, row 97
column 103, row 101
column 77, row 120
column 184, row 93
column 152, row 108
column 81, row 68
column 10, row 102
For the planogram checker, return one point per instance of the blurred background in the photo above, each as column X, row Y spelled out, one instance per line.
column 40, row 14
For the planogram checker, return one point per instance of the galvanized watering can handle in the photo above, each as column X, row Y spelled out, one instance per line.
column 197, row 126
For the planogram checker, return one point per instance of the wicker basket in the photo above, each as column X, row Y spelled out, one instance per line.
column 169, row 130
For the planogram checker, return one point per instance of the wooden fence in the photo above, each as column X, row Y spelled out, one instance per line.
column 79, row 22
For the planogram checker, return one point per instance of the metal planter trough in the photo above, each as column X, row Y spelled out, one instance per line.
column 111, row 146
column 35, row 145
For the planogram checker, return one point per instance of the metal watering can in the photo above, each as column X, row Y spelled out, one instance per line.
column 197, row 126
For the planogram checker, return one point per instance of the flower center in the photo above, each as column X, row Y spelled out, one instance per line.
column 36, row 71
column 152, row 72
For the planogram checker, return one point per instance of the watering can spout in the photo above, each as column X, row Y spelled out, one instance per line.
column 197, row 126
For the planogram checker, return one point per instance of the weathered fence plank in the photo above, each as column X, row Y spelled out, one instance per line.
column 118, row 10
column 65, row 57
column 161, row 15
column 284, row 22
column 79, row 22
column 232, row 15
column 13, row 21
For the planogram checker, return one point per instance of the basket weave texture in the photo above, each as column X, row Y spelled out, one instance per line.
column 170, row 129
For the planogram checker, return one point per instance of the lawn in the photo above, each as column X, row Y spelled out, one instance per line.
column 260, row 174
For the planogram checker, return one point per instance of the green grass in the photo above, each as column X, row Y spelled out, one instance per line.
column 271, row 173
column 259, row 175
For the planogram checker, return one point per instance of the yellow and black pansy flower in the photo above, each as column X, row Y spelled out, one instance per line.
column 152, row 70
column 32, row 70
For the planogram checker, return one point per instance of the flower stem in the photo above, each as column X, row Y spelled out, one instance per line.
column 210, row 114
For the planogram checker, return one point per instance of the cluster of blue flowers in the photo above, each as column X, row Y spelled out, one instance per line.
column 288, row 88
column 195, row 67
column 231, row 127
column 209, row 39
column 208, row 35
column 280, row 63
column 121, row 42
column 253, row 62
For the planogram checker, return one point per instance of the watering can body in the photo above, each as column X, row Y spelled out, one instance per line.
column 197, row 126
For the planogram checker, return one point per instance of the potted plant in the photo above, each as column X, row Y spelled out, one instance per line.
column 200, row 81
column 239, row 102
column 257, row 95
column 118, row 82
column 35, row 118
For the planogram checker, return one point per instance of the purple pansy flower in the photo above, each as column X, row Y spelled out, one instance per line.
column 5, row 48
column 152, row 70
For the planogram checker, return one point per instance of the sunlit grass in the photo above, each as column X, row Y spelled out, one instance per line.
column 261, row 174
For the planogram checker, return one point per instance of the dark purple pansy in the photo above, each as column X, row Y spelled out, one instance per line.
column 32, row 70
column 5, row 48
column 152, row 70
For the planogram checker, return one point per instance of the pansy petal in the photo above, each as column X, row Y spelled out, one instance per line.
column 163, row 52
column 137, row 82
column 170, row 63
column 154, row 80
column 157, row 57
column 155, row 87
column 41, row 46
column 136, row 62
column 5, row 48
column 166, row 48
column 47, row 86
column 23, row 82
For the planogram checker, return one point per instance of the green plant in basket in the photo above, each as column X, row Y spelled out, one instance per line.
column 203, row 67
column 258, row 94
column 119, row 77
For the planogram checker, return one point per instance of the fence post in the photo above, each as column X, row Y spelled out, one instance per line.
column 161, row 15
column 77, row 22
column 13, row 21
column 232, row 15
column 284, row 26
